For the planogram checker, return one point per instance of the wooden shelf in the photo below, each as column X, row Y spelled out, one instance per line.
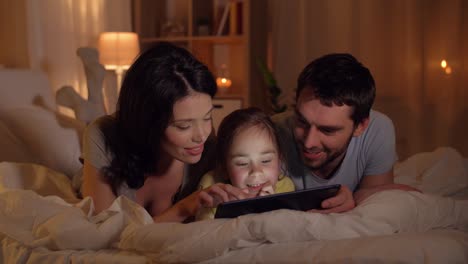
column 168, row 39
column 228, row 95
column 153, row 20
column 221, row 39
column 211, row 39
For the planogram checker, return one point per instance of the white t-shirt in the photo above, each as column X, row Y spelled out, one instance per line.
column 371, row 153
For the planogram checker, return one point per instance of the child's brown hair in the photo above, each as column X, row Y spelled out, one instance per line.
column 232, row 125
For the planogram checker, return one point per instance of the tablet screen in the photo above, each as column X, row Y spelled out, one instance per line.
column 301, row 200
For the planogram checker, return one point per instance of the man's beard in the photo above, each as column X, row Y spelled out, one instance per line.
column 331, row 157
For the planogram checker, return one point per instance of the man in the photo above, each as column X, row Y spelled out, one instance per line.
column 338, row 138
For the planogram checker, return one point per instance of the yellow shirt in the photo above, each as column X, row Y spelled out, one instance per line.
column 284, row 184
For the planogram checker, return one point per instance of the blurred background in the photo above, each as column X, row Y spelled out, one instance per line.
column 417, row 50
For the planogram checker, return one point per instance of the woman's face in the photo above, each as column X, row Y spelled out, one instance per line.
column 189, row 128
column 253, row 160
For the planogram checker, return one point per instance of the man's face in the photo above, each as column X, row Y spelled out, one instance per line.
column 323, row 132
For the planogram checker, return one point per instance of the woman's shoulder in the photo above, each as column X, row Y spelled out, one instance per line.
column 103, row 120
column 95, row 129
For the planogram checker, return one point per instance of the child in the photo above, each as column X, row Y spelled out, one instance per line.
column 248, row 157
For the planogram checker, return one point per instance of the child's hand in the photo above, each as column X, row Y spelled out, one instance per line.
column 220, row 193
column 266, row 190
column 208, row 197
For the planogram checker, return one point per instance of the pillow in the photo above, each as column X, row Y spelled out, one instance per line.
column 11, row 147
column 441, row 172
column 51, row 139
column 25, row 88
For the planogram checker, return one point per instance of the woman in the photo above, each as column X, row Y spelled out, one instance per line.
column 159, row 143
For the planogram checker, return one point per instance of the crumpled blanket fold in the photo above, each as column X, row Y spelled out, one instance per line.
column 38, row 209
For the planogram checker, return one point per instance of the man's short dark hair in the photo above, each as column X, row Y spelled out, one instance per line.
column 340, row 79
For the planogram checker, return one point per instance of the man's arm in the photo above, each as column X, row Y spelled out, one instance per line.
column 382, row 157
column 371, row 184
column 375, row 183
column 343, row 201
column 371, row 181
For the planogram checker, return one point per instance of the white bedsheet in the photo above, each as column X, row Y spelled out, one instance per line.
column 391, row 226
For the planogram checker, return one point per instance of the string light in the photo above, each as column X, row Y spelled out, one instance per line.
column 446, row 67
column 448, row 70
column 443, row 64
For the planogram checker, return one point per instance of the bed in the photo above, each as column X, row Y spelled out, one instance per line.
column 42, row 221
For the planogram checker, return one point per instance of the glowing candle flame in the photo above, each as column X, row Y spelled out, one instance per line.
column 223, row 82
column 443, row 64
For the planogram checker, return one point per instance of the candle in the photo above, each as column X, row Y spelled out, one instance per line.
column 223, row 82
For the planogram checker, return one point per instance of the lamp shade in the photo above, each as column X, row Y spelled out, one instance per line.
column 118, row 49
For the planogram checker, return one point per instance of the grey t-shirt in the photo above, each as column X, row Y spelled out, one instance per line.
column 95, row 152
column 371, row 153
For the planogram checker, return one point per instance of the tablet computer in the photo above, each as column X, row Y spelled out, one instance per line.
column 302, row 200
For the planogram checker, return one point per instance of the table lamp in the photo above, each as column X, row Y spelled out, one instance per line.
column 117, row 51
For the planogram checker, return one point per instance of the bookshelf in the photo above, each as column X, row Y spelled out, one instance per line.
column 195, row 25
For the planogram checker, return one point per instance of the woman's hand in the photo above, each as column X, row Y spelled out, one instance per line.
column 208, row 197
column 342, row 202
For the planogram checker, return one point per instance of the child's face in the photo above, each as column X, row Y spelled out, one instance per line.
column 253, row 160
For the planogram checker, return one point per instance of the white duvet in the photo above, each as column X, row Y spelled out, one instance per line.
column 48, row 224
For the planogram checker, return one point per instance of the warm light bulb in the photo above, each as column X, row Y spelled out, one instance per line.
column 448, row 70
column 223, row 82
column 443, row 64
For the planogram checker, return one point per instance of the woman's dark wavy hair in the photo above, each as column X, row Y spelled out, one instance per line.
column 158, row 78
column 342, row 80
column 232, row 125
